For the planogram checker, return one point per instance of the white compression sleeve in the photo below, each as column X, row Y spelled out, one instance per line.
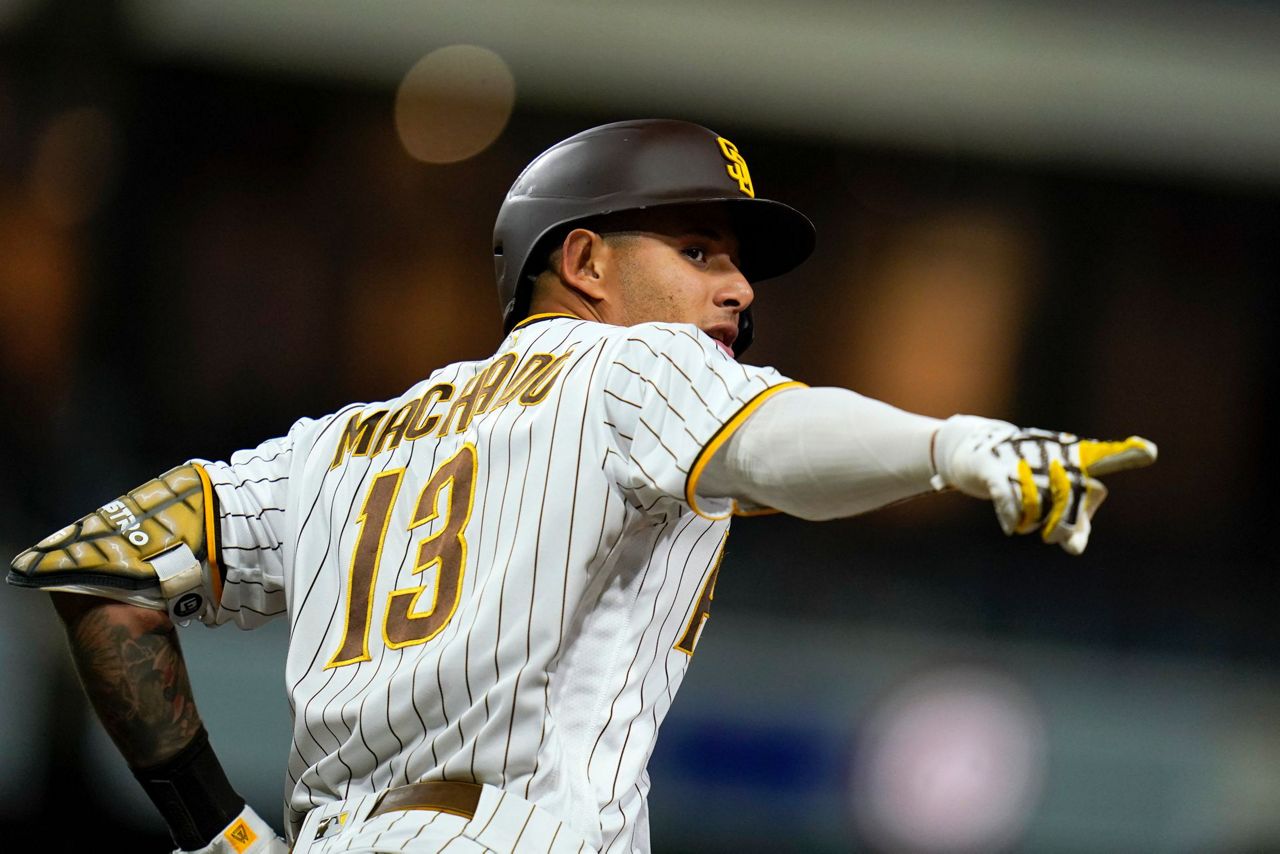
column 822, row 453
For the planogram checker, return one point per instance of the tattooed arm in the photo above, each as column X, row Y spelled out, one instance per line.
column 114, row 577
column 131, row 667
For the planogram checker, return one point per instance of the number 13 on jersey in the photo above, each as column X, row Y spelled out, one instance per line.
column 446, row 550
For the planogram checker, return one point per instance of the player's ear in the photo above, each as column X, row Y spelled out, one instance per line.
column 584, row 260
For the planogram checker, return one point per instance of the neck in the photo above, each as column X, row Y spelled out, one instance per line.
column 566, row 301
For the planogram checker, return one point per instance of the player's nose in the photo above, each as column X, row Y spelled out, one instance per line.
column 733, row 290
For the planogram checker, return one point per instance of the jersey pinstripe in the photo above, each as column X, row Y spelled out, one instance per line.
column 496, row 577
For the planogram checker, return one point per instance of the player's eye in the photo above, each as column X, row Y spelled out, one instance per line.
column 694, row 253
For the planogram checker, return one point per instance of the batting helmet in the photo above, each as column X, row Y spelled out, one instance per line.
column 633, row 166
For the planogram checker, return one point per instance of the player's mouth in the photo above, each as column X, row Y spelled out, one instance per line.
column 724, row 335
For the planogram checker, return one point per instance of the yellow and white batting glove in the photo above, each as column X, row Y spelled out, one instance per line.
column 247, row 833
column 1037, row 479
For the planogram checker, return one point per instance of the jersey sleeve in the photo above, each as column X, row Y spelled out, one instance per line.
column 671, row 398
column 251, row 519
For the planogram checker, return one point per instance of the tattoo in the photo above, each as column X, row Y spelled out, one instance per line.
column 137, row 681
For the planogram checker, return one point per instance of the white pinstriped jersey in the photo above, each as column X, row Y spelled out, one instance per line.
column 496, row 577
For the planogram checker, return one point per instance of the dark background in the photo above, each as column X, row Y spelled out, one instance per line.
column 195, row 253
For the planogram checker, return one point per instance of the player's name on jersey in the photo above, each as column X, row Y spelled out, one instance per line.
column 437, row 411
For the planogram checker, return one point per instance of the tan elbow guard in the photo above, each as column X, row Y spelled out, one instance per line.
column 155, row 546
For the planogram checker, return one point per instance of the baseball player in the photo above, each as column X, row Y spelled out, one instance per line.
column 495, row 582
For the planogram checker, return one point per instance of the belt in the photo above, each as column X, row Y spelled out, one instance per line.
column 440, row 796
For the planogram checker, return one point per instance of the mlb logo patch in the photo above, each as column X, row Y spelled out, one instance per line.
column 331, row 826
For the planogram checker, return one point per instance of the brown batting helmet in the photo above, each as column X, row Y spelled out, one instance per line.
column 632, row 166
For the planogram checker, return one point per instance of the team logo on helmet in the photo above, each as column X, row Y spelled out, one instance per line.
column 737, row 167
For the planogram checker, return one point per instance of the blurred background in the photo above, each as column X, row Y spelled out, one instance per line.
column 218, row 217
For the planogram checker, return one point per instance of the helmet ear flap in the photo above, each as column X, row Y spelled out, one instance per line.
column 517, row 308
column 746, row 332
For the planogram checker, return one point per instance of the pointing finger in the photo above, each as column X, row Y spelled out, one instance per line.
column 1101, row 458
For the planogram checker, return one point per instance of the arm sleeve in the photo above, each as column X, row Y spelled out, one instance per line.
column 670, row 398
column 252, row 519
column 823, row 453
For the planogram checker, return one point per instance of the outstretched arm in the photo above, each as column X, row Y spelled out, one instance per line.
column 827, row 452
column 824, row 453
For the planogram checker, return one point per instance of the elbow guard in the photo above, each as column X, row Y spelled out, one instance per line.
column 155, row 546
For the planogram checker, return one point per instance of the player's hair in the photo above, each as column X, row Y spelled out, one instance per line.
column 609, row 228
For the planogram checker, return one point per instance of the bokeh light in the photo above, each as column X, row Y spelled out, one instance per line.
column 454, row 103
column 950, row 762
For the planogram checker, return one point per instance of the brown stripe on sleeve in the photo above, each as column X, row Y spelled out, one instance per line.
column 687, row 379
column 663, row 445
column 658, row 391
column 623, row 399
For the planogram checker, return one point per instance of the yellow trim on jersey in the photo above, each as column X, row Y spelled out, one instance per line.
column 543, row 316
column 722, row 435
column 702, row 605
column 210, row 533
column 758, row 511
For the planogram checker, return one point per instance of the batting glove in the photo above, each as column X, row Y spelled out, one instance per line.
column 247, row 833
column 1036, row 479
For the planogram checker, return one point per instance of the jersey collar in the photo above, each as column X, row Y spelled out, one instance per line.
column 536, row 318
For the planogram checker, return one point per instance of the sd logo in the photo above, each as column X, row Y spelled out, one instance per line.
column 737, row 167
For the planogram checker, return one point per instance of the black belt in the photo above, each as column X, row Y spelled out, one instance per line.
column 440, row 796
